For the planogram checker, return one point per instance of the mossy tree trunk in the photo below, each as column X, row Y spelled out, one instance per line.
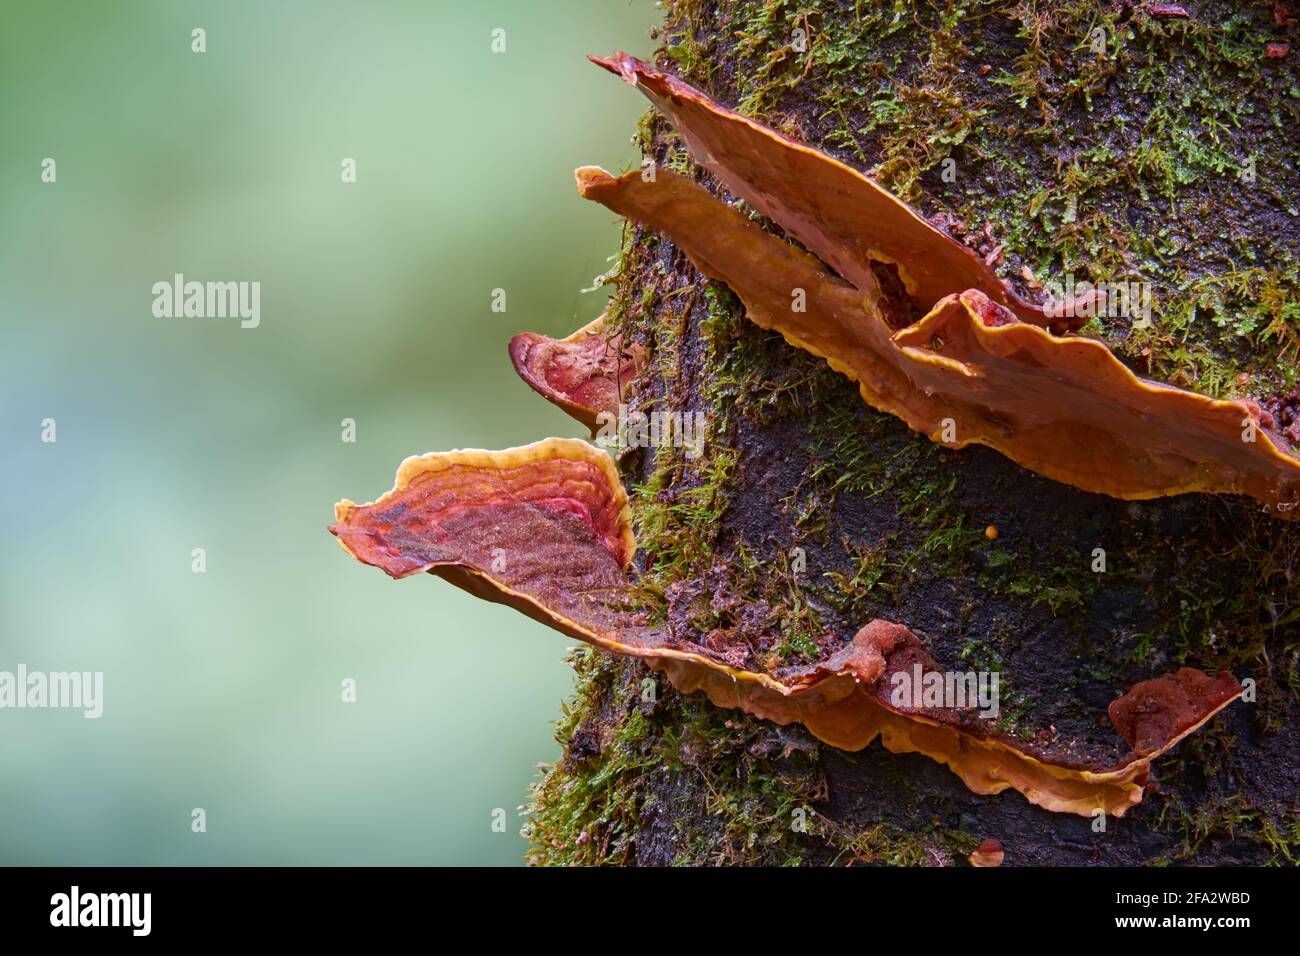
column 1089, row 139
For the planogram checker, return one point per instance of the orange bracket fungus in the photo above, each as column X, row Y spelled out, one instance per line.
column 546, row 529
column 585, row 374
column 987, row 854
column 979, row 367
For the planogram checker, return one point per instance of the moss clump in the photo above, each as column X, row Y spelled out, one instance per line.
column 1232, row 818
column 593, row 808
column 653, row 777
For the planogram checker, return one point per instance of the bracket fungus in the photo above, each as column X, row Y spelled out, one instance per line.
column 988, row 854
column 546, row 529
column 585, row 374
column 979, row 367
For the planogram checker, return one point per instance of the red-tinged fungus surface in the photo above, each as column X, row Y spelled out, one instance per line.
column 1168, row 707
column 545, row 528
column 488, row 521
column 839, row 214
column 586, row 374
column 987, row 854
column 969, row 371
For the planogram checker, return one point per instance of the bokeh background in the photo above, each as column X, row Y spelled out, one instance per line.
column 223, row 689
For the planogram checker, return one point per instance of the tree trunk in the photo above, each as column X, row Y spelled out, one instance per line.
column 1107, row 141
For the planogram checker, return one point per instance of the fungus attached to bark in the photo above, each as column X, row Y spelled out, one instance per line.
column 839, row 215
column 585, row 374
column 987, row 854
column 979, row 367
column 545, row 528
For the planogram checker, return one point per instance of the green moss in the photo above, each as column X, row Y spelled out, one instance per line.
column 640, row 757
column 582, row 818
column 1233, row 818
column 887, row 845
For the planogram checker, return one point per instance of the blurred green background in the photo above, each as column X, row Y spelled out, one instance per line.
column 222, row 689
